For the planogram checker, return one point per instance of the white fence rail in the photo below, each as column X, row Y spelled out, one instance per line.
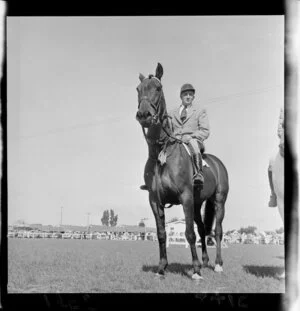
column 179, row 239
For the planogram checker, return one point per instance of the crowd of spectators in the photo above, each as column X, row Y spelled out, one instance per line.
column 135, row 234
column 257, row 237
column 89, row 234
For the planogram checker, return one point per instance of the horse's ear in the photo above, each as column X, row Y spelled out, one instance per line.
column 141, row 77
column 159, row 71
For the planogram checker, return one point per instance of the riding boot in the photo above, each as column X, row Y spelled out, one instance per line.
column 273, row 197
column 198, row 178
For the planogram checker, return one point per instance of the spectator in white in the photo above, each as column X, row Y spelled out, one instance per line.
column 280, row 133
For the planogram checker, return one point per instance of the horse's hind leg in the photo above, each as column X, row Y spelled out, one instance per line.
column 220, row 211
column 159, row 215
column 201, row 230
column 188, row 208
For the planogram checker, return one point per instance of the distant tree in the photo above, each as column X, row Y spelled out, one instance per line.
column 248, row 230
column 109, row 218
column 105, row 218
column 113, row 219
column 280, row 230
column 142, row 224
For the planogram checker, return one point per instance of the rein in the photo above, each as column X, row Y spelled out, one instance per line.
column 157, row 141
column 169, row 135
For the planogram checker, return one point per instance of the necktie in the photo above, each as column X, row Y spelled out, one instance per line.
column 183, row 114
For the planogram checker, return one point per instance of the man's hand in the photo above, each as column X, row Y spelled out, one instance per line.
column 186, row 138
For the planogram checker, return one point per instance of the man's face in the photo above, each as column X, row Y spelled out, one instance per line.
column 187, row 97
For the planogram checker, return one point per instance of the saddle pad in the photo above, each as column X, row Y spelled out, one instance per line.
column 204, row 163
column 162, row 157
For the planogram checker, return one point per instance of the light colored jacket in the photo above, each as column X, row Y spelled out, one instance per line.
column 196, row 123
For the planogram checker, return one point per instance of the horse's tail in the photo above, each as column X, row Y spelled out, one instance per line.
column 209, row 215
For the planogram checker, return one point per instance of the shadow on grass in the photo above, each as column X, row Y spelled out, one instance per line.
column 176, row 268
column 264, row 271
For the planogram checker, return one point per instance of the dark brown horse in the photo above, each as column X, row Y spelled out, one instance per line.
column 170, row 182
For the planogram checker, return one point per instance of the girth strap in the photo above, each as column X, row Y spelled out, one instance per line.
column 157, row 189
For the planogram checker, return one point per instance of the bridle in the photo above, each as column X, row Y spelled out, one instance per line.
column 156, row 107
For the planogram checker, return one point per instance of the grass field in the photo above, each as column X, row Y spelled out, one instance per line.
column 100, row 266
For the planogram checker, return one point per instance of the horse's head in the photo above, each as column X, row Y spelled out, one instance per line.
column 150, row 99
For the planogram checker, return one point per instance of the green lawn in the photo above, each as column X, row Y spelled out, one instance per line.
column 95, row 266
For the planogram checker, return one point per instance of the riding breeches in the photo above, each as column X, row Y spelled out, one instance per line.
column 196, row 146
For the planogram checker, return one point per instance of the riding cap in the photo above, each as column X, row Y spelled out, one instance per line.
column 187, row 87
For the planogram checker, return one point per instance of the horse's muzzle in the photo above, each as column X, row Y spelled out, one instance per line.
column 145, row 118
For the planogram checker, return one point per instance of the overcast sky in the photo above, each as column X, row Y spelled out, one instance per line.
column 73, row 140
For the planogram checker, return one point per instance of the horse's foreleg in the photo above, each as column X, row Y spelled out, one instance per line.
column 220, row 211
column 159, row 215
column 188, row 208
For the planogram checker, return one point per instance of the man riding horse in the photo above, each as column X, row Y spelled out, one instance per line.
column 190, row 124
column 280, row 133
column 169, row 173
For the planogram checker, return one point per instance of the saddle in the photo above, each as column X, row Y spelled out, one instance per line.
column 162, row 157
column 204, row 163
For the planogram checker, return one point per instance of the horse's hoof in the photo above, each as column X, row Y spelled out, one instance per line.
column 218, row 268
column 159, row 276
column 197, row 277
column 281, row 276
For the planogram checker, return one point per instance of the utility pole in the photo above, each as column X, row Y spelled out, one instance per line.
column 88, row 220
column 61, row 208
